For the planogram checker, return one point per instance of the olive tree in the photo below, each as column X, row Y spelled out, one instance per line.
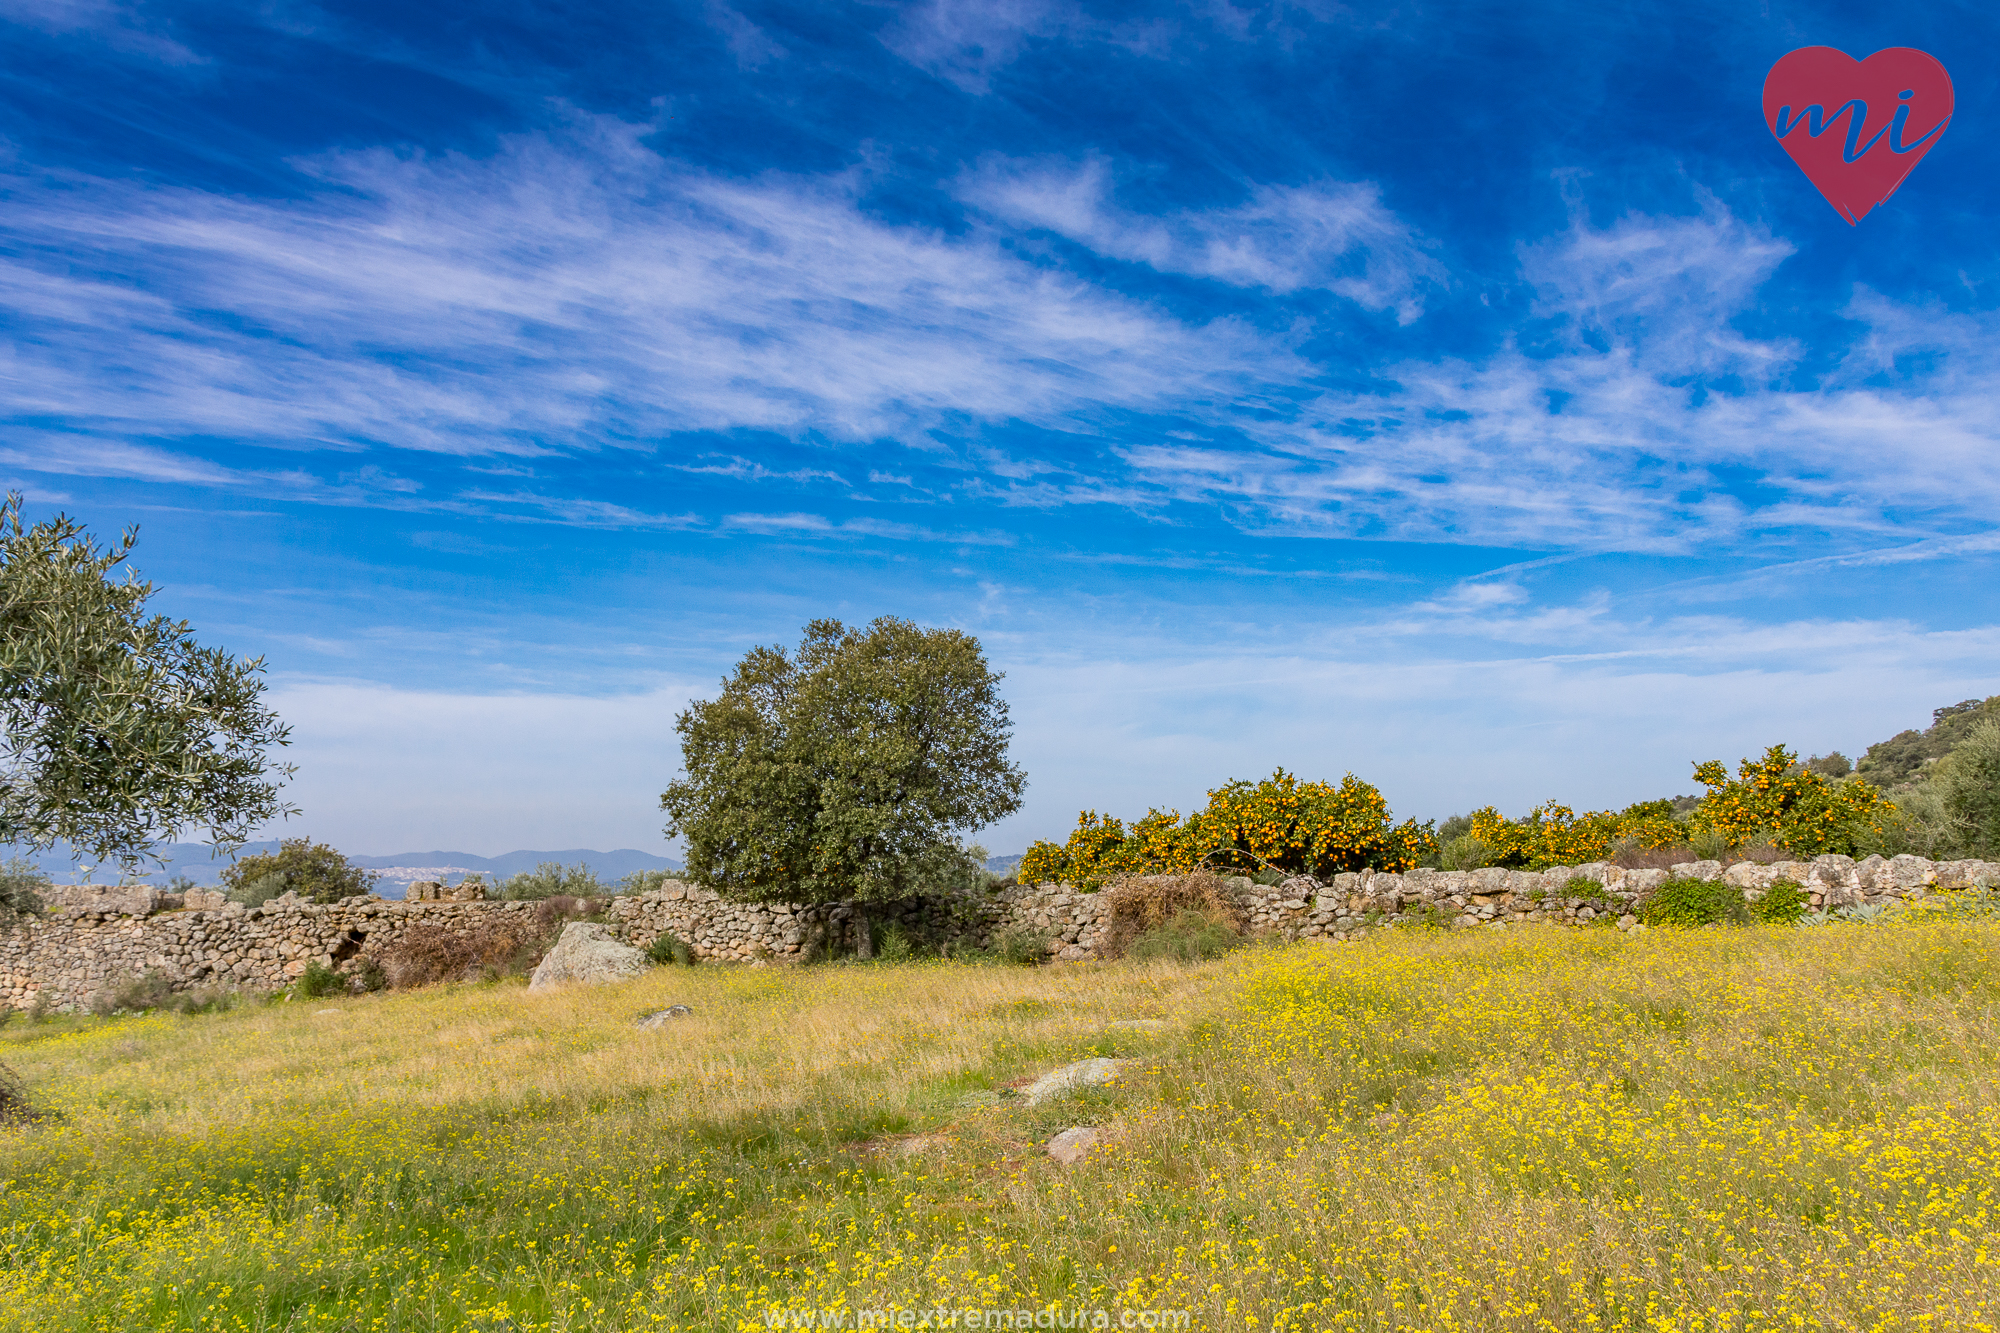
column 117, row 729
column 845, row 771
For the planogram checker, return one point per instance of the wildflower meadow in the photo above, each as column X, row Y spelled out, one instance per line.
column 1530, row 1129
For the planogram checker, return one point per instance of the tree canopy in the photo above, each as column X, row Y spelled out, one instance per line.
column 847, row 770
column 117, row 729
column 1279, row 824
column 313, row 870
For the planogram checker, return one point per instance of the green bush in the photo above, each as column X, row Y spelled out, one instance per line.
column 150, row 990
column 551, row 880
column 668, row 948
column 1694, row 902
column 313, row 870
column 1465, row 852
column 1021, row 946
column 1709, row 844
column 1424, row 916
column 258, row 891
column 1583, row 886
column 645, row 881
column 1784, row 903
column 1190, row 937
column 212, row 1000
column 318, row 979
column 15, row 1108
column 22, row 883
column 893, row 944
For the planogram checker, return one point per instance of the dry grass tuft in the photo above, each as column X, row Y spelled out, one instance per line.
column 1140, row 903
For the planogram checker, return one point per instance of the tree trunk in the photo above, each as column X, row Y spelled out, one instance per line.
column 864, row 945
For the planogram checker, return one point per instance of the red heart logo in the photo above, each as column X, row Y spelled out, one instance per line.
column 1857, row 127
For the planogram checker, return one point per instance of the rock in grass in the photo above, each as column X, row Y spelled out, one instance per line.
column 659, row 1018
column 1082, row 1074
column 586, row 951
column 1073, row 1144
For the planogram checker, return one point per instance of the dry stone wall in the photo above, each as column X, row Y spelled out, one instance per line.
column 722, row 931
column 93, row 939
column 1354, row 903
column 70, row 954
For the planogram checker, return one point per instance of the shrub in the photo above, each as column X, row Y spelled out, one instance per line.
column 1968, row 785
column 15, row 1108
column 1021, row 946
column 1588, row 889
column 1279, row 824
column 313, row 870
column 894, row 946
column 151, row 989
column 1424, row 916
column 1190, row 937
column 257, row 892
column 22, row 883
column 1784, row 903
column 551, row 914
column 1694, row 902
column 1142, row 902
column 645, row 881
column 368, row 974
column 206, row 1000
column 427, row 954
column 669, row 948
column 1708, row 844
column 1464, row 852
column 552, row 880
column 317, row 980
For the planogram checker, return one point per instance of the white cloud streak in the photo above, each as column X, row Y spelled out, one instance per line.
column 577, row 291
column 1335, row 235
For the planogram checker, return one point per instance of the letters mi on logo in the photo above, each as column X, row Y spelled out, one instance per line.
column 1857, row 127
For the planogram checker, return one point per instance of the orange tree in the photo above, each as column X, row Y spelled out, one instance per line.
column 1280, row 824
column 1552, row 834
column 1793, row 806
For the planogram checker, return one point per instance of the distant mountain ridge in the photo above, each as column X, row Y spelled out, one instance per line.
column 198, row 862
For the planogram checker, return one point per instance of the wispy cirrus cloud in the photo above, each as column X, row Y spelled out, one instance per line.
column 1336, row 235
column 577, row 292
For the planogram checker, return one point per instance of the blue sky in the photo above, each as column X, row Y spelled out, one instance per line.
column 1474, row 397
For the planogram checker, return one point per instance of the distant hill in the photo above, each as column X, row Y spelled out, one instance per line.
column 1906, row 754
column 198, row 863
